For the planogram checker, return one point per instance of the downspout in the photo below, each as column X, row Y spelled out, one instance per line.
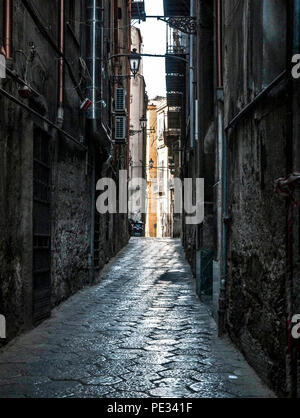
column 116, row 40
column 108, row 162
column 222, row 296
column 129, row 86
column 60, row 112
column 8, row 29
column 95, row 129
column 222, row 186
column 219, row 43
column 192, row 110
column 96, row 134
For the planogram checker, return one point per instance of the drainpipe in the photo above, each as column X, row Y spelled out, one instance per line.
column 8, row 29
column 222, row 185
column 222, row 296
column 95, row 129
column 129, row 85
column 192, row 110
column 60, row 112
column 219, row 43
column 96, row 133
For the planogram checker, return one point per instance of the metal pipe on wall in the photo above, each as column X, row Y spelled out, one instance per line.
column 41, row 117
column 129, row 86
column 222, row 185
column 8, row 29
column 219, row 43
column 61, row 47
column 192, row 109
column 94, row 53
column 98, row 137
column 60, row 113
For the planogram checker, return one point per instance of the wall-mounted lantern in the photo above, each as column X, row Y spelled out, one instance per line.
column 135, row 61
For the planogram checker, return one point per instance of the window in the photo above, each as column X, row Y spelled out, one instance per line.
column 161, row 125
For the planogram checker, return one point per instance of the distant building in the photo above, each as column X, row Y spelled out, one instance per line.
column 160, row 197
column 137, row 138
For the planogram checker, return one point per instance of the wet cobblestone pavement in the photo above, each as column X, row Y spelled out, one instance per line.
column 141, row 332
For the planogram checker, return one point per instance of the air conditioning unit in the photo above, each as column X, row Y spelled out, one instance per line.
column 120, row 100
column 120, row 128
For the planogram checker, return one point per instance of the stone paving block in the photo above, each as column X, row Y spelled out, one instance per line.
column 140, row 332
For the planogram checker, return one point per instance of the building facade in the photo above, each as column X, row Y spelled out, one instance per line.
column 57, row 138
column 137, row 142
column 239, row 133
column 159, row 222
column 151, row 174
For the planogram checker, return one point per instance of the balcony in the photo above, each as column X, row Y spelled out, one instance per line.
column 175, row 65
column 174, row 119
column 138, row 10
column 175, row 99
column 175, row 83
column 172, row 137
column 176, row 8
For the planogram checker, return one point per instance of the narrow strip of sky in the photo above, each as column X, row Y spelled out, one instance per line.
column 154, row 41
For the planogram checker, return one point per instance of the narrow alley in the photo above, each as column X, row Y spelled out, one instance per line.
column 149, row 199
column 140, row 332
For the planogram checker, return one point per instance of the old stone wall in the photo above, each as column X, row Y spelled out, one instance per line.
column 14, row 207
column 71, row 223
column 256, row 304
column 33, row 62
column 72, row 184
column 257, row 258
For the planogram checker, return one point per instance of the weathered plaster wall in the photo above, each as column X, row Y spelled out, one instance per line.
column 257, row 258
column 256, row 306
column 71, row 175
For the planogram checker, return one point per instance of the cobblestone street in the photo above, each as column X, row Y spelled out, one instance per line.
column 141, row 332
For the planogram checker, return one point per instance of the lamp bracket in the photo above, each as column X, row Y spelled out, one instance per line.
column 186, row 24
column 133, row 133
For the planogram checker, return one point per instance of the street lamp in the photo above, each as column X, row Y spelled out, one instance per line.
column 135, row 61
column 151, row 164
column 135, row 58
column 143, row 122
